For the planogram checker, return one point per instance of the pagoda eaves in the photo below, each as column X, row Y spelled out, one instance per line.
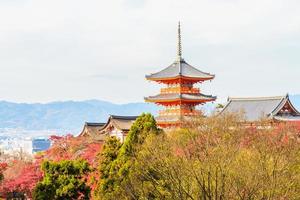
column 180, row 71
column 179, row 97
column 175, row 98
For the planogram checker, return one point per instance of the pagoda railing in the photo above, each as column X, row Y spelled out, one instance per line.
column 186, row 90
column 180, row 112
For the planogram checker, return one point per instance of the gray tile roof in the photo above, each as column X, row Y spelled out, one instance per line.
column 91, row 129
column 176, row 96
column 96, row 129
column 180, row 68
column 123, row 117
column 255, row 109
column 120, row 122
column 94, row 124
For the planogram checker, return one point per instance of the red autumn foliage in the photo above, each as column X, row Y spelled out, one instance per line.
column 276, row 136
column 55, row 137
column 90, row 153
column 60, row 148
column 26, row 179
column 22, row 177
column 70, row 148
column 3, row 167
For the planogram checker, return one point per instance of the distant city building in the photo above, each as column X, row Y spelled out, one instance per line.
column 40, row 144
column 254, row 109
column 179, row 97
column 17, row 145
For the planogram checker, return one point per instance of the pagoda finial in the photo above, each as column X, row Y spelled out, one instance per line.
column 179, row 50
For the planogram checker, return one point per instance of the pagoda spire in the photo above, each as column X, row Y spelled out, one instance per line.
column 179, row 48
column 179, row 97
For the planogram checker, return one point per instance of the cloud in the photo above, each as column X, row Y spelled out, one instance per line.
column 58, row 50
column 108, row 76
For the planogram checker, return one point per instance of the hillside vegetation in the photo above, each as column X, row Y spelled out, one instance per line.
column 210, row 158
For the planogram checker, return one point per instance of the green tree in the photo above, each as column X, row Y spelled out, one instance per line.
column 121, row 168
column 108, row 155
column 211, row 158
column 219, row 159
column 144, row 126
column 63, row 180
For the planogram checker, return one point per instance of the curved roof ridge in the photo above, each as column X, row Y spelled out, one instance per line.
column 123, row 117
column 282, row 103
column 95, row 123
column 118, row 117
column 179, row 96
column 180, row 69
column 198, row 69
column 253, row 107
column 256, row 98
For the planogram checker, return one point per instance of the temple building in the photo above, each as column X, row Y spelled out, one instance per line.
column 179, row 97
column 276, row 109
column 117, row 126
column 91, row 129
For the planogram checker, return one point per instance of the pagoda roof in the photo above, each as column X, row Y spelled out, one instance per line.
column 257, row 108
column 180, row 69
column 179, row 97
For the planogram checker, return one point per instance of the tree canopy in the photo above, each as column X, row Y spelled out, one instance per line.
column 215, row 157
column 63, row 180
column 211, row 158
column 117, row 161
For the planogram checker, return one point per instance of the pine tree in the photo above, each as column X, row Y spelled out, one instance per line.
column 108, row 156
column 63, row 180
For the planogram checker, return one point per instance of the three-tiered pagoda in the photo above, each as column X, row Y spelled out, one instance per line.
column 179, row 96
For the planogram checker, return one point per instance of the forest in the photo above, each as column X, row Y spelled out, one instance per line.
column 211, row 158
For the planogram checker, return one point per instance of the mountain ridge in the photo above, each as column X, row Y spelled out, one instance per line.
column 66, row 115
column 71, row 115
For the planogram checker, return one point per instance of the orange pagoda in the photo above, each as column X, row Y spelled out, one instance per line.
column 179, row 97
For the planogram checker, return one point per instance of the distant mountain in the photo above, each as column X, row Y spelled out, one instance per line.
column 69, row 116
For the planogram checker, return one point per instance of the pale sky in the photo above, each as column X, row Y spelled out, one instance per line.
column 53, row 50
